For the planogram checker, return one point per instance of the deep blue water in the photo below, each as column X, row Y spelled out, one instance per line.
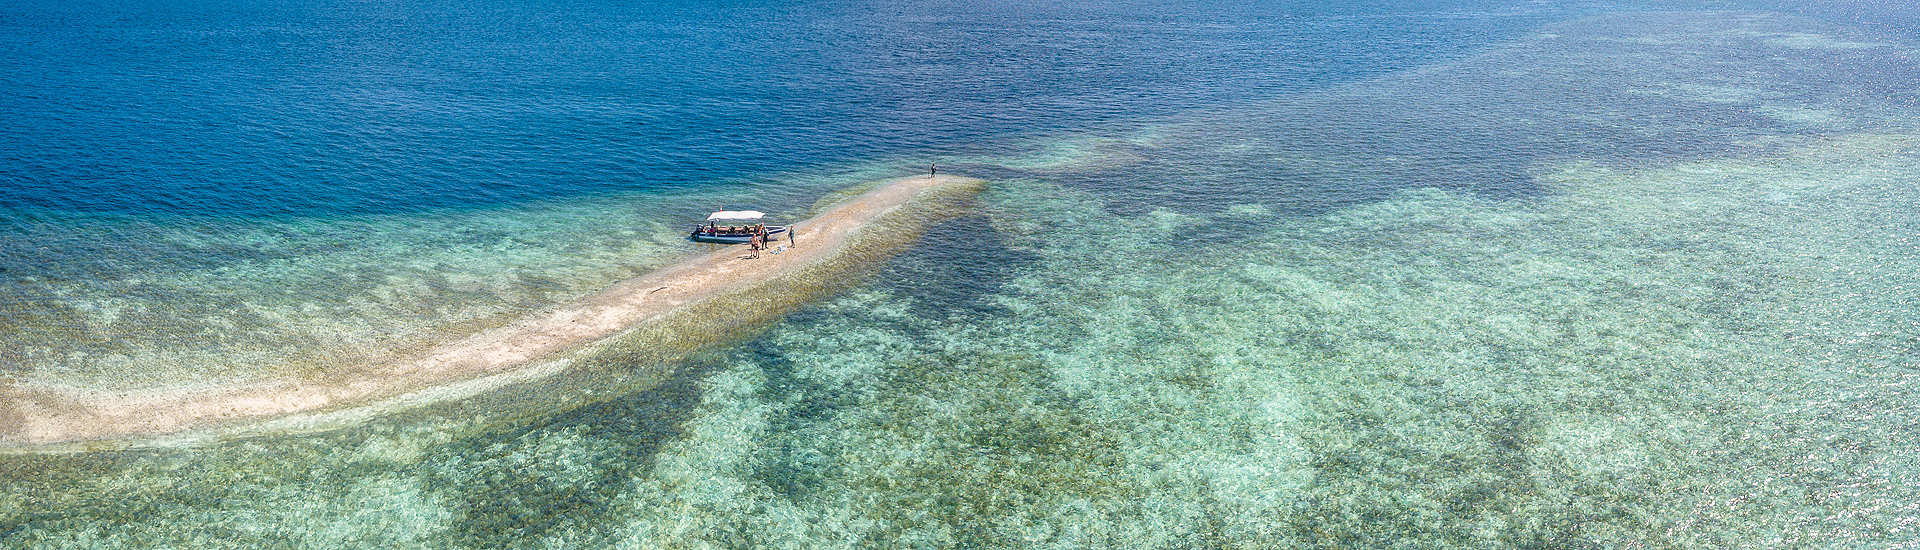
column 166, row 163
column 1343, row 274
column 324, row 108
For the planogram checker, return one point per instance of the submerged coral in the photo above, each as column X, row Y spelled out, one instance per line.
column 1711, row 346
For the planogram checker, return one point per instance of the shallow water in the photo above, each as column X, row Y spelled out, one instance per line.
column 1630, row 279
column 195, row 192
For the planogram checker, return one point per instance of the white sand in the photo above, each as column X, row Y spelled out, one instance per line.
column 41, row 416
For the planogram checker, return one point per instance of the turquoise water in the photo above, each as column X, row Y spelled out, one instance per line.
column 194, row 192
column 1611, row 280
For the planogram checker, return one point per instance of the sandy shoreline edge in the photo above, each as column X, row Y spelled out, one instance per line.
column 671, row 308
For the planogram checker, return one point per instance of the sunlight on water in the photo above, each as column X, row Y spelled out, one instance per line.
column 1321, row 320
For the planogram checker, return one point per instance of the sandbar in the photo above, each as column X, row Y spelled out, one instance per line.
column 662, row 307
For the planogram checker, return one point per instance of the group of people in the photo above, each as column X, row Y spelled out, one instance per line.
column 757, row 237
column 758, row 241
column 732, row 229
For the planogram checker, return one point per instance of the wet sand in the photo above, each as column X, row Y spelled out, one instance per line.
column 49, row 417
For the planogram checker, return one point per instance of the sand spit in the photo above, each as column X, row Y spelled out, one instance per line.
column 673, row 310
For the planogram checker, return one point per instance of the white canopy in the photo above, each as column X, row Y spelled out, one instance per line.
column 736, row 215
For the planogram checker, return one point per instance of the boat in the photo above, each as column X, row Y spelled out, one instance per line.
column 734, row 227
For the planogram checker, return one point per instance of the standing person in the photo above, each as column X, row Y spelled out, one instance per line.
column 754, row 243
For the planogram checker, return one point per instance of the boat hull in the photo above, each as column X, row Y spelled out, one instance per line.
column 702, row 237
